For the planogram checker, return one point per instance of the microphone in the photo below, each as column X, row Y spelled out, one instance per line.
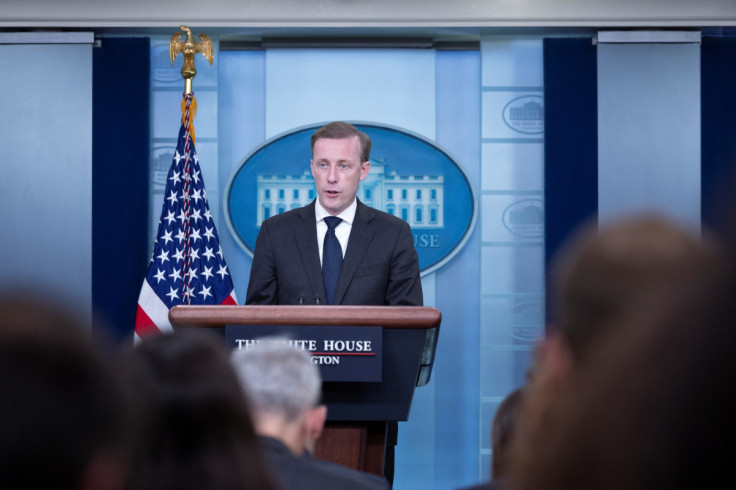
column 300, row 300
column 316, row 299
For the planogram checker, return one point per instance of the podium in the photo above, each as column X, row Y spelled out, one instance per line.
column 359, row 413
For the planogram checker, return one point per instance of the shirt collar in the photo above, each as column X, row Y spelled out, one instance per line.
column 348, row 214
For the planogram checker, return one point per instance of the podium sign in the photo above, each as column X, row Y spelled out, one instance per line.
column 343, row 354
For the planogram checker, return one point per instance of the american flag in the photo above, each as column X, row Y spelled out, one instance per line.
column 187, row 266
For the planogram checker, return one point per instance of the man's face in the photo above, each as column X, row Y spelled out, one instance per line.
column 337, row 171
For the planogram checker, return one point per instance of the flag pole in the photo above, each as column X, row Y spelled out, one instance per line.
column 187, row 265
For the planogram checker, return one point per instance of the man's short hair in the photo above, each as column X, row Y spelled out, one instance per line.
column 278, row 378
column 341, row 130
column 601, row 275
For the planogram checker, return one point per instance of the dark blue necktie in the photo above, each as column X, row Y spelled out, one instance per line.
column 331, row 259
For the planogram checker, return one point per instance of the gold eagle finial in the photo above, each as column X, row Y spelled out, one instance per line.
column 189, row 48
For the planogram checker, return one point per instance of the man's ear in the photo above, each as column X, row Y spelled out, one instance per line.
column 316, row 418
column 555, row 358
column 365, row 167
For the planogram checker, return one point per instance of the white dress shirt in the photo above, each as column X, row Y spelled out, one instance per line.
column 342, row 230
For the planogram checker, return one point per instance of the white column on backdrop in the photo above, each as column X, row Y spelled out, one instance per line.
column 649, row 130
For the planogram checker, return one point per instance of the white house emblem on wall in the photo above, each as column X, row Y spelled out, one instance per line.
column 525, row 114
column 409, row 178
column 417, row 199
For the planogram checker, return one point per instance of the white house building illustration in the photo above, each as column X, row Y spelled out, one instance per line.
column 417, row 199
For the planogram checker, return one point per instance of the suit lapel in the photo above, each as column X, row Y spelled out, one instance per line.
column 305, row 235
column 361, row 234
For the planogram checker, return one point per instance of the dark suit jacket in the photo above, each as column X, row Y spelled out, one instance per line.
column 305, row 473
column 381, row 266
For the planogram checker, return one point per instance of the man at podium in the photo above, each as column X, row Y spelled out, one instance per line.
column 336, row 250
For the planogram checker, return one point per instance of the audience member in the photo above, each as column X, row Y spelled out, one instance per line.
column 283, row 388
column 601, row 276
column 502, row 433
column 196, row 431
column 599, row 411
column 62, row 408
column 652, row 409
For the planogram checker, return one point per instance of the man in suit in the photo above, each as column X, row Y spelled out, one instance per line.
column 379, row 266
column 282, row 388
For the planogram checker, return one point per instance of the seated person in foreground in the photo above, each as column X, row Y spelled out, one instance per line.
column 63, row 409
column 195, row 429
column 283, row 388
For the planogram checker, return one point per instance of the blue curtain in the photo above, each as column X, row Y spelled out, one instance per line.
column 570, row 138
column 120, row 179
column 718, row 130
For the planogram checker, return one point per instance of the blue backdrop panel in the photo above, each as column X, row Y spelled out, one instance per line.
column 571, row 138
column 120, row 150
column 455, row 373
column 718, row 130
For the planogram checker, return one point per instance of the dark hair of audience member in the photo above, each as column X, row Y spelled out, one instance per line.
column 652, row 409
column 502, row 433
column 195, row 429
column 63, row 410
column 603, row 272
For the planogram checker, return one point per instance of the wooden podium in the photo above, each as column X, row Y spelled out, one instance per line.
column 359, row 413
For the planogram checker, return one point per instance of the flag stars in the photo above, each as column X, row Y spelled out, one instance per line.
column 175, row 177
column 189, row 293
column 207, row 273
column 169, row 218
column 159, row 276
column 208, row 253
column 167, row 237
column 175, row 275
column 179, row 255
column 195, row 235
column 205, row 292
column 196, row 215
column 172, row 197
column 163, row 256
column 222, row 271
column 209, row 234
column 172, row 294
column 191, row 275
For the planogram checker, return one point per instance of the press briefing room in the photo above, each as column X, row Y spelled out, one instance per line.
column 524, row 225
